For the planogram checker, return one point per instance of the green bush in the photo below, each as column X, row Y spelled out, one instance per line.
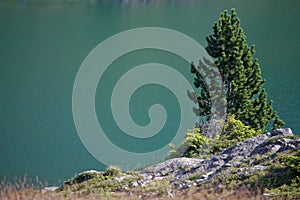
column 192, row 142
column 112, row 172
column 287, row 185
column 83, row 177
column 293, row 162
column 234, row 131
column 212, row 139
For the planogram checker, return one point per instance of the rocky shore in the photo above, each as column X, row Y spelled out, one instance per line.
column 253, row 161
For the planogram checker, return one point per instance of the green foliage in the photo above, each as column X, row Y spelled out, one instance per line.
column 284, row 176
column 281, row 179
column 197, row 142
column 112, row 172
column 278, row 123
column 190, row 146
column 102, row 184
column 203, row 98
column 241, row 74
column 210, row 94
column 275, row 139
column 157, row 186
column 293, row 161
column 234, row 131
column 83, row 177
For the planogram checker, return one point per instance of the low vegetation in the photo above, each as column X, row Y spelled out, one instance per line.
column 263, row 176
column 199, row 144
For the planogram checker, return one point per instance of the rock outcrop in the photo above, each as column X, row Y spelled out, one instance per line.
column 180, row 169
column 246, row 157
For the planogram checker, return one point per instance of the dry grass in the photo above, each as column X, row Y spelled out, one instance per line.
column 20, row 192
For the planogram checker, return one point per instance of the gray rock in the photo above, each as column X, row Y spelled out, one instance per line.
column 86, row 175
column 271, row 194
column 119, row 179
column 236, row 164
column 124, row 187
column 159, row 178
column 227, row 165
column 200, row 180
column 282, row 131
column 149, row 177
column 256, row 168
column 275, row 148
column 224, row 156
column 134, row 184
column 49, row 189
column 179, row 170
column 208, row 175
column 174, row 164
column 241, row 169
column 169, row 192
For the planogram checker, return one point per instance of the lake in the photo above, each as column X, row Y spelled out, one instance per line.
column 43, row 44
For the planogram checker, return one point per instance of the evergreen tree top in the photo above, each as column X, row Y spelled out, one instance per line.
column 241, row 74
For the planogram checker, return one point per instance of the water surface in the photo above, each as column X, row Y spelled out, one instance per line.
column 43, row 43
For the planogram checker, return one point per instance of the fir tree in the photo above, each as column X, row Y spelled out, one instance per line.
column 241, row 74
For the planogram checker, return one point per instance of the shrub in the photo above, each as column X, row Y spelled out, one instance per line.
column 234, row 131
column 188, row 148
column 293, row 162
column 212, row 138
column 112, row 171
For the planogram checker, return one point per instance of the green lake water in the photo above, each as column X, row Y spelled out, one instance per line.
column 43, row 43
